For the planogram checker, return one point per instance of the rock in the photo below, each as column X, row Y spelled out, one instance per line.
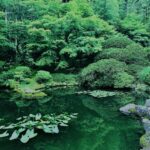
column 146, row 124
column 128, row 109
column 147, row 104
column 146, row 148
column 145, row 141
column 142, row 111
column 29, row 91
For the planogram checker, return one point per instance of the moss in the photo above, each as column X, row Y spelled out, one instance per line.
column 30, row 90
column 33, row 95
column 145, row 140
column 133, row 110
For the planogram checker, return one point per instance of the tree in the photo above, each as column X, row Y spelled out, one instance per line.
column 107, row 9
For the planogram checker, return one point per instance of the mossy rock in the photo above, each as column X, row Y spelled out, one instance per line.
column 145, row 140
column 132, row 110
column 31, row 93
column 34, row 95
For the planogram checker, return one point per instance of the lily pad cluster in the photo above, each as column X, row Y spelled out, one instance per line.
column 99, row 93
column 25, row 127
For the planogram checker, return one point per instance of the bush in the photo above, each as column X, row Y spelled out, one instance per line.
column 5, row 76
column 65, row 78
column 117, row 42
column 144, row 75
column 2, row 63
column 102, row 73
column 22, row 69
column 135, row 29
column 123, row 80
column 20, row 72
column 132, row 54
column 133, row 69
column 43, row 77
column 147, row 51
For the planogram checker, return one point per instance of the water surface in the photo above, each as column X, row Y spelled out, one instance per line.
column 99, row 126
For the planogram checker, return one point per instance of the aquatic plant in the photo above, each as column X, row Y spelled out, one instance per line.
column 24, row 128
column 98, row 93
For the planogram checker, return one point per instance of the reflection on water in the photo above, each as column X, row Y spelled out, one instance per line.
column 99, row 126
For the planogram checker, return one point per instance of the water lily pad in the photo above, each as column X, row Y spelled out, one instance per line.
column 50, row 129
column 21, row 130
column 54, row 129
column 5, row 134
column 11, row 126
column 14, row 135
column 38, row 116
column 28, row 124
column 24, row 138
column 2, row 127
column 63, row 125
column 30, row 133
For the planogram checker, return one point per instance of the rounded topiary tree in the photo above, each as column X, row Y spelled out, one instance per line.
column 117, row 42
column 104, row 74
column 132, row 54
column 123, row 80
column 43, row 76
column 144, row 75
column 20, row 72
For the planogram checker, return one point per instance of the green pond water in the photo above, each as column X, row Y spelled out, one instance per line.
column 99, row 126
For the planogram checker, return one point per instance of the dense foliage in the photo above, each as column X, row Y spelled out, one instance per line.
column 66, row 36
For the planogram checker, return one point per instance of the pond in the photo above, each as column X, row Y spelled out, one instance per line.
column 99, row 126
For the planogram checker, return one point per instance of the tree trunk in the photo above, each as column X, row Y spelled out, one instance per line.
column 65, row 1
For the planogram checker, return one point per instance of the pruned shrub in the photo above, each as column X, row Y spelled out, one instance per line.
column 117, row 42
column 123, row 80
column 132, row 54
column 102, row 73
column 43, row 76
column 144, row 75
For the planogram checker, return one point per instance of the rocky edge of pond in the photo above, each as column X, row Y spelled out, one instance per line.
column 144, row 113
